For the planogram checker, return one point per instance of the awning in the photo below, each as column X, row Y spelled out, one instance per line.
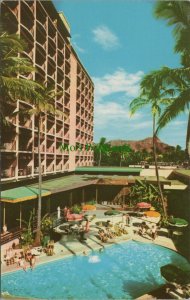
column 22, row 194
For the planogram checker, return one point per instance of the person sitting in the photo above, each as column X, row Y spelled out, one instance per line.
column 28, row 255
column 102, row 236
column 142, row 230
column 109, row 234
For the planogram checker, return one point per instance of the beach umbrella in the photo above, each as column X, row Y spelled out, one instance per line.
column 112, row 212
column 152, row 214
column 143, row 205
column 88, row 207
column 175, row 274
column 178, row 222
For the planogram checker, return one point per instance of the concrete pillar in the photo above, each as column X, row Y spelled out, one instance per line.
column 96, row 194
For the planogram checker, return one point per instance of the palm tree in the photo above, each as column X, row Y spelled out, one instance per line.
column 43, row 104
column 101, row 145
column 150, row 96
column 175, row 83
column 11, row 66
column 176, row 13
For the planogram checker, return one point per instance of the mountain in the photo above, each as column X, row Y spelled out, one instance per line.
column 140, row 145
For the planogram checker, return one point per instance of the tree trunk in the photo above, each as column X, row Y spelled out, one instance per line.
column 188, row 140
column 120, row 163
column 156, row 168
column 100, row 158
column 38, row 232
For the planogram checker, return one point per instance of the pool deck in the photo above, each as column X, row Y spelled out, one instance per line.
column 73, row 247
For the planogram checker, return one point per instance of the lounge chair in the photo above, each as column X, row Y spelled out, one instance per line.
column 175, row 293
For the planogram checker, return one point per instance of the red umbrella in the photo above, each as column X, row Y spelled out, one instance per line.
column 143, row 205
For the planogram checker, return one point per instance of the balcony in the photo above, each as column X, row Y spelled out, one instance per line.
column 59, row 168
column 66, row 136
column 50, row 169
column 25, row 147
column 9, row 146
column 58, row 150
column 51, row 131
column 60, row 58
column 8, row 173
column 50, row 149
column 36, row 169
column 42, row 149
column 25, row 171
column 26, row 123
column 12, row 120
column 40, row 32
column 27, row 34
column 60, row 132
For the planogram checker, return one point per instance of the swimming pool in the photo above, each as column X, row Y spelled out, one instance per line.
column 122, row 271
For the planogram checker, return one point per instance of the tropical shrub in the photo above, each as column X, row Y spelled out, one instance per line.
column 46, row 225
column 76, row 209
column 27, row 234
column 146, row 192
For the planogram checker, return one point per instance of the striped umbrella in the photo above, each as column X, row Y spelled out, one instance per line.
column 143, row 205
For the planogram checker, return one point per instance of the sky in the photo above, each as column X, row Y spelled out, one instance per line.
column 118, row 41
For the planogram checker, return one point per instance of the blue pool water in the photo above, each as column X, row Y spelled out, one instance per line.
column 123, row 271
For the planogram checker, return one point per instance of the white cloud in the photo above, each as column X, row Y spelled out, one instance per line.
column 76, row 45
column 119, row 81
column 78, row 48
column 105, row 38
column 178, row 123
column 113, row 92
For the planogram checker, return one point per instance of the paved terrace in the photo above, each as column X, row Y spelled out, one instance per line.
column 71, row 246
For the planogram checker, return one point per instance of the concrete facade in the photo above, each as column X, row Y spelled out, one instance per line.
column 47, row 35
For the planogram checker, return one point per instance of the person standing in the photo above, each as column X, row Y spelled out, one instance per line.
column 153, row 232
column 127, row 219
column 32, row 261
column 22, row 264
column 4, row 228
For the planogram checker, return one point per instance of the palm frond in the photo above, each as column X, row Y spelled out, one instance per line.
column 18, row 88
column 178, row 105
column 137, row 104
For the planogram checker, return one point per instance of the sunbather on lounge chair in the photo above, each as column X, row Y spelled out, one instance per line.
column 102, row 236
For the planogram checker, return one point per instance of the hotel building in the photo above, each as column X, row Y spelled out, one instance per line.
column 47, row 35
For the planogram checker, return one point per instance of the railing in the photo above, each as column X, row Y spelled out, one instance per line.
column 15, row 233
